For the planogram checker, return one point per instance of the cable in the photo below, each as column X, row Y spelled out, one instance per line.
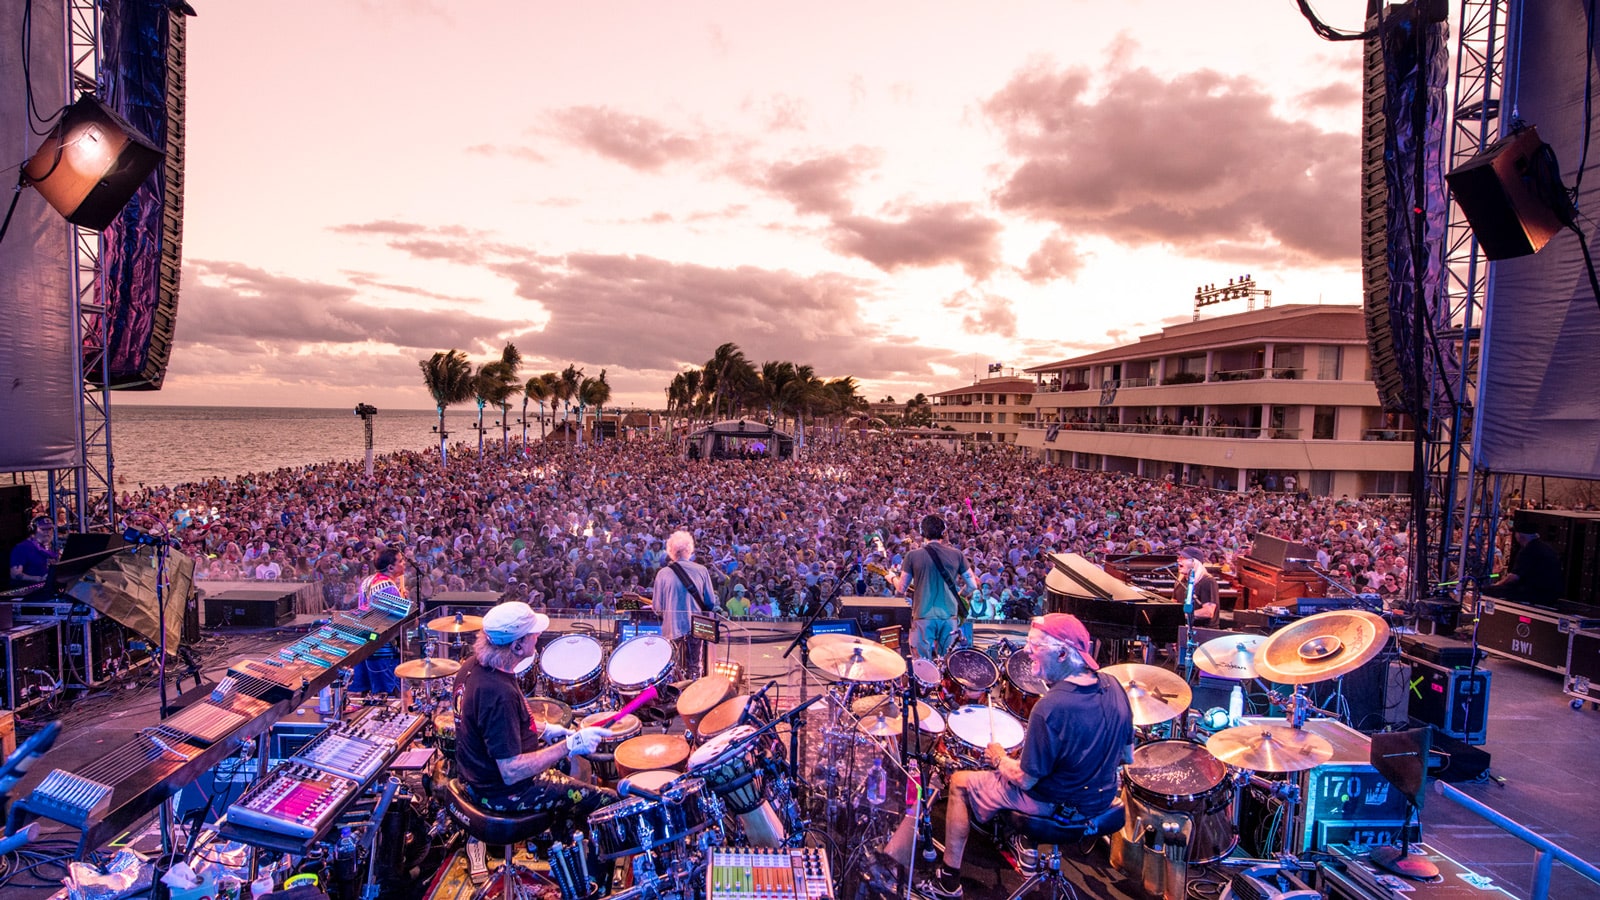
column 1588, row 115
column 1327, row 32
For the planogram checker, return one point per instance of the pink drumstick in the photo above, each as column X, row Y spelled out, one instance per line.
column 973, row 514
column 648, row 695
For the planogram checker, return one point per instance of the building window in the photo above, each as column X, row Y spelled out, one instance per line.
column 1001, row 419
column 1321, row 483
column 1330, row 364
column 1322, row 424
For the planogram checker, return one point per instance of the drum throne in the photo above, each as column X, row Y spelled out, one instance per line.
column 504, row 829
column 1041, row 839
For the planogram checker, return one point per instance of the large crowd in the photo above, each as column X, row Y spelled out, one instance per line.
column 574, row 527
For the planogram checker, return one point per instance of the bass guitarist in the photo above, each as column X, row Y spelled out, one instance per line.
column 933, row 572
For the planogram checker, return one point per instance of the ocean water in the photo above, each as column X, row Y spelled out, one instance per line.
column 172, row 444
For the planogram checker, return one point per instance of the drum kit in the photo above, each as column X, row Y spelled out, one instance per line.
column 1191, row 791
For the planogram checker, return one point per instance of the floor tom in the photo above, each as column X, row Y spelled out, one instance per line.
column 1178, row 780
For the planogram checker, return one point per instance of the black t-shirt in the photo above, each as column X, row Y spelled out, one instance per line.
column 1077, row 735
column 1205, row 591
column 492, row 722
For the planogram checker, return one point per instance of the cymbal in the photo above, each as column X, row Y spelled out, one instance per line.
column 1270, row 748
column 449, row 625
column 1229, row 656
column 866, row 661
column 834, row 639
column 425, row 668
column 1155, row 694
column 1317, row 648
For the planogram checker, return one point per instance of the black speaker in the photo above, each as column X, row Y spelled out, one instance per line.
column 1275, row 551
column 91, row 163
column 1512, row 195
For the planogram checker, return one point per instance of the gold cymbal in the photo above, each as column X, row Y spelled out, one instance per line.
column 1229, row 656
column 426, row 668
column 835, row 639
column 1321, row 647
column 1155, row 694
column 866, row 661
column 1270, row 748
column 449, row 625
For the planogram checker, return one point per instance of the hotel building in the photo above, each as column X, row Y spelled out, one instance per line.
column 990, row 410
column 1278, row 397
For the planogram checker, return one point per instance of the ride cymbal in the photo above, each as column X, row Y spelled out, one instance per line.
column 1229, row 656
column 426, row 668
column 449, row 625
column 1269, row 748
column 859, row 662
column 1155, row 694
column 1317, row 648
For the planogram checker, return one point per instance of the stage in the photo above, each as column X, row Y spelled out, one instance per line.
column 1541, row 757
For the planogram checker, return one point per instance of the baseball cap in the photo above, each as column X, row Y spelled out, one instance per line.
column 508, row 621
column 1063, row 627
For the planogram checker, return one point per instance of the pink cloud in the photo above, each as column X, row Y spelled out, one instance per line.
column 1056, row 258
column 634, row 141
column 925, row 236
column 819, row 184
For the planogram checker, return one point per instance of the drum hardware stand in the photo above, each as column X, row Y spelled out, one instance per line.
column 1288, row 793
column 1296, row 704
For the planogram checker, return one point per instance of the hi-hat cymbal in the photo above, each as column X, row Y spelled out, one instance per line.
column 1321, row 647
column 1155, row 694
column 1229, row 656
column 426, row 668
column 859, row 662
column 449, row 625
column 1270, row 748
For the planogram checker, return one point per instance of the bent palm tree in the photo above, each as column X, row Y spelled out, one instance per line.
column 448, row 375
column 539, row 389
column 494, row 383
column 593, row 392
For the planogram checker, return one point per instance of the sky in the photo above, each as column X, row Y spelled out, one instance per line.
column 903, row 192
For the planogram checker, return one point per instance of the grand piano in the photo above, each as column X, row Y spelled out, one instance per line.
column 1112, row 609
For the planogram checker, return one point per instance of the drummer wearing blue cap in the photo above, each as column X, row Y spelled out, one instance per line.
column 507, row 760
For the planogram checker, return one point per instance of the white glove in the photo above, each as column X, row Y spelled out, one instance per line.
column 553, row 732
column 587, row 740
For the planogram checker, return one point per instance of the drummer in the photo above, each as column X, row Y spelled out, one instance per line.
column 503, row 760
column 1079, row 734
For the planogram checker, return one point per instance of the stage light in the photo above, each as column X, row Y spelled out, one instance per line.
column 90, row 164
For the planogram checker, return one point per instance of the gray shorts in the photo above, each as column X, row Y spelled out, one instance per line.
column 989, row 792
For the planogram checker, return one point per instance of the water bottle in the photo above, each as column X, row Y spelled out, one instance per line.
column 1235, row 706
column 877, row 784
column 913, row 786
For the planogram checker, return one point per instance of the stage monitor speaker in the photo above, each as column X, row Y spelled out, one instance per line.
column 1512, row 195
column 1275, row 551
column 874, row 613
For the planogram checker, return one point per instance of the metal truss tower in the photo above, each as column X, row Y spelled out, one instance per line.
column 1464, row 506
column 74, row 490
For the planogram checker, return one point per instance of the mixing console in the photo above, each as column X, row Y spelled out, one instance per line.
column 383, row 723
column 292, row 799
column 341, row 754
column 784, row 873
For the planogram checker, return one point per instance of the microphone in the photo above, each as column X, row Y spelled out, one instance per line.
column 1171, row 565
column 749, row 708
column 628, row 789
column 20, row 839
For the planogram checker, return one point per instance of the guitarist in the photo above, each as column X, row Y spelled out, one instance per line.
column 937, row 605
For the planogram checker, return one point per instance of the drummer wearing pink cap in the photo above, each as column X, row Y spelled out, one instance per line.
column 1079, row 734
column 502, row 757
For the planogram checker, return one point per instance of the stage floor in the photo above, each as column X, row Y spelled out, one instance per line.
column 1542, row 761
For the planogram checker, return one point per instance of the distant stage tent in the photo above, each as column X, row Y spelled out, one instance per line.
column 739, row 439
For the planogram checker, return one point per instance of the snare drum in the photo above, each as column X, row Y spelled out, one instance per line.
column 603, row 758
column 652, row 780
column 639, row 663
column 732, row 774
column 547, row 710
column 573, row 667
column 1169, row 778
column 635, row 824
column 967, row 734
column 701, row 697
column 1021, row 689
column 969, row 676
column 444, row 728
column 652, row 751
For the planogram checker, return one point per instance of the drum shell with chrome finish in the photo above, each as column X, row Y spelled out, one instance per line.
column 1179, row 781
column 639, row 663
column 1020, row 689
column 619, row 829
column 969, row 676
column 573, row 670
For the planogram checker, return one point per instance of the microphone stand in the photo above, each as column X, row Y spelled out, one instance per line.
column 802, row 640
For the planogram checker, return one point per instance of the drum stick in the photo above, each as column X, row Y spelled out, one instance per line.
column 993, row 738
column 647, row 696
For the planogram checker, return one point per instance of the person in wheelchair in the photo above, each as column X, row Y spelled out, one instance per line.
column 1079, row 735
column 508, row 761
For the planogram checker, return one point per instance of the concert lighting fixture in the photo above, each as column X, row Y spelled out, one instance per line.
column 90, row 164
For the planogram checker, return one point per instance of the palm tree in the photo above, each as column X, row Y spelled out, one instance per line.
column 844, row 397
column 775, row 378
column 919, row 411
column 448, row 375
column 570, row 380
column 728, row 374
column 539, row 389
column 593, row 392
column 495, row 382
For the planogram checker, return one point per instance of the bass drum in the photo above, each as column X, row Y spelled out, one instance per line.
column 1179, row 781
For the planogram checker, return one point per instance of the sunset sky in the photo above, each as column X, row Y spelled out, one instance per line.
column 903, row 192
